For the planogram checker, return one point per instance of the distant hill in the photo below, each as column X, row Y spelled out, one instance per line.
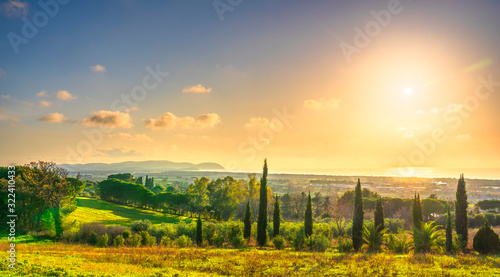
column 142, row 166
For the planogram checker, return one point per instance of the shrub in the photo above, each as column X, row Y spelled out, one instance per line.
column 140, row 225
column 114, row 230
column 184, row 241
column 93, row 238
column 428, row 238
column 298, row 241
column 233, row 231
column 309, row 242
column 397, row 243
column 279, row 242
column 373, row 237
column 238, row 241
column 162, row 230
column 486, row 240
column 87, row 228
column 209, row 232
column 393, row 225
column 166, row 241
column 184, row 229
column 103, row 241
column 219, row 239
column 135, row 240
column 345, row 244
column 118, row 241
column 321, row 243
column 126, row 234
column 146, row 239
column 477, row 221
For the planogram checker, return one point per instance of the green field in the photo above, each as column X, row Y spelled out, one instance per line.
column 58, row 259
column 94, row 210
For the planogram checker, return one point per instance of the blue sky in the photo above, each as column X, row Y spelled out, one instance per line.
column 349, row 112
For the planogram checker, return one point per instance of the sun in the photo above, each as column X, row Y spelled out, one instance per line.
column 408, row 91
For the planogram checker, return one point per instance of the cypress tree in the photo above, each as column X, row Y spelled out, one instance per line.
column 379, row 215
column 262, row 221
column 449, row 235
column 276, row 217
column 308, row 221
column 199, row 234
column 247, row 221
column 461, row 212
column 416, row 212
column 357, row 220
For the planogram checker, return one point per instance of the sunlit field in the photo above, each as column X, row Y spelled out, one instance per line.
column 48, row 259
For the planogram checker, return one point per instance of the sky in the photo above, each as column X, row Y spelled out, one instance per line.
column 406, row 88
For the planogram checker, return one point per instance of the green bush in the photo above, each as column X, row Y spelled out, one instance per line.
column 234, row 231
column 147, row 239
column 135, row 240
column 184, row 241
column 398, row 243
column 126, row 234
column 394, row 225
column 184, row 229
column 103, row 241
column 118, row 241
column 93, row 238
column 140, row 225
column 321, row 243
column 345, row 244
column 486, row 240
column 219, row 239
column 166, row 241
column 298, row 241
column 209, row 233
column 309, row 242
column 279, row 242
column 238, row 241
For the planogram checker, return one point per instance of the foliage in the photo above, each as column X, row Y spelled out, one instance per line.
column 209, row 232
column 298, row 241
column 103, row 241
column 416, row 212
column 461, row 205
column 135, row 240
column 184, row 241
column 489, row 204
column 379, row 214
column 486, row 240
column 357, row 225
column 199, row 232
column 262, row 220
column 428, row 238
column 166, row 241
column 345, row 244
column 276, row 217
column 279, row 242
column 126, row 177
column 394, row 225
column 449, row 230
column 321, row 243
column 397, row 243
column 140, row 225
column 373, row 236
column 118, row 241
column 126, row 234
column 308, row 221
column 93, row 239
column 238, row 241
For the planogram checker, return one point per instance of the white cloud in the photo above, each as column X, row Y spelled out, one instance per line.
column 6, row 117
column 54, row 118
column 196, row 89
column 260, row 122
column 127, row 136
column 98, row 68
column 108, row 119
column 14, row 8
column 65, row 95
column 463, row 137
column 132, row 109
column 44, row 103
column 171, row 121
column 322, row 103
column 6, row 97
column 42, row 93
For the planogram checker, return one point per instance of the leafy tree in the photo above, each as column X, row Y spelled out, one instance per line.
column 308, row 222
column 461, row 212
column 488, row 204
column 427, row 238
column 449, row 230
column 379, row 214
column 198, row 194
column 139, row 181
column 373, row 236
column 416, row 212
column 357, row 221
column 486, row 240
column 199, row 234
column 247, row 221
column 432, row 206
column 126, row 177
column 276, row 217
column 262, row 221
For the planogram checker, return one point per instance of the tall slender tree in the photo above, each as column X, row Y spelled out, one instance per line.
column 247, row 221
column 276, row 217
column 199, row 232
column 379, row 214
column 357, row 220
column 449, row 235
column 461, row 212
column 262, row 221
column 308, row 221
column 416, row 212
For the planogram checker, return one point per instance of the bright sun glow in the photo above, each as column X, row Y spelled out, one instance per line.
column 408, row 91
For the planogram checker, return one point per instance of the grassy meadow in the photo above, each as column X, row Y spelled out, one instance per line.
column 57, row 259
column 95, row 210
